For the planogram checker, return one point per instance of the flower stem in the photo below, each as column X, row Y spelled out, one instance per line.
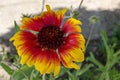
column 89, row 37
column 43, row 4
column 80, row 5
column 43, row 77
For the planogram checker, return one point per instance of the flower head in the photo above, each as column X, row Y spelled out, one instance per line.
column 44, row 42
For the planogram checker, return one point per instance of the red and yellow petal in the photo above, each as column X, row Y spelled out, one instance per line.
column 34, row 24
column 51, row 17
column 23, row 36
column 48, row 61
column 42, row 62
column 26, row 45
column 72, row 26
column 74, row 40
column 60, row 14
column 77, row 54
column 56, row 65
column 72, row 50
column 67, row 62
column 32, row 59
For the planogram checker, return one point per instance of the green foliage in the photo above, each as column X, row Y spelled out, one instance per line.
column 116, row 38
column 17, row 28
column 22, row 73
column 0, row 58
column 117, row 32
column 112, row 59
column 7, row 68
column 74, row 14
column 114, row 74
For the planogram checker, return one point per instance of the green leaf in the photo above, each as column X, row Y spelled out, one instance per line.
column 83, row 70
column 35, row 75
column 17, row 28
column 36, row 78
column 22, row 74
column 104, row 36
column 75, row 15
column 63, row 71
column 71, row 76
column 95, row 61
column 7, row 68
column 0, row 58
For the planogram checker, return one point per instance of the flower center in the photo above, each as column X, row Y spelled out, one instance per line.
column 50, row 37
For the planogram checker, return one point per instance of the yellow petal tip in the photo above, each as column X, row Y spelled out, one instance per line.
column 48, row 7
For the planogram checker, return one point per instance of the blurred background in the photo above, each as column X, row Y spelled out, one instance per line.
column 108, row 12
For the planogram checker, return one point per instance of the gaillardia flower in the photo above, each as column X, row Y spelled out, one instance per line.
column 43, row 41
